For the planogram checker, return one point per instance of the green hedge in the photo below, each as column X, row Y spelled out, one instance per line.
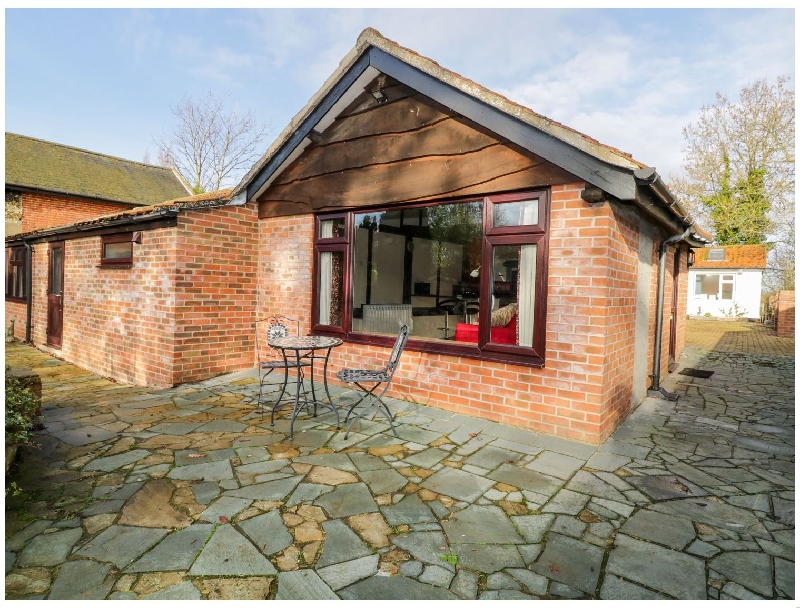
column 21, row 406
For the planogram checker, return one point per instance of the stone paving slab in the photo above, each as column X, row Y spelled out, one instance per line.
column 457, row 484
column 49, row 549
column 671, row 572
column 228, row 553
column 82, row 580
column 177, row 551
column 189, row 494
column 120, row 545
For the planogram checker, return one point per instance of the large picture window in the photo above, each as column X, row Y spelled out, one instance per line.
column 469, row 276
column 15, row 274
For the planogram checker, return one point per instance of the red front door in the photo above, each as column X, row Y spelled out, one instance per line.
column 55, row 294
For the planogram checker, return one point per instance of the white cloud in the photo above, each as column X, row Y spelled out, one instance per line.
column 208, row 62
column 140, row 32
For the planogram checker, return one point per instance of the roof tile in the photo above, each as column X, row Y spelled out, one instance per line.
column 43, row 165
column 736, row 256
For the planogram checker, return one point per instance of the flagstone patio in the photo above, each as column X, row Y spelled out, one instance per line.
column 186, row 493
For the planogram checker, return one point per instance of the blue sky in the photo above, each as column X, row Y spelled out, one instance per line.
column 104, row 79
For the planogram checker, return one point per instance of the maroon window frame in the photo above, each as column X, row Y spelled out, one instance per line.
column 333, row 244
column 116, row 262
column 533, row 234
column 16, row 274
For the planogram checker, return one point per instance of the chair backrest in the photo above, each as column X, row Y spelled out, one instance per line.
column 269, row 328
column 397, row 349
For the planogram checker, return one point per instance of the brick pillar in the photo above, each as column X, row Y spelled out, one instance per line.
column 784, row 316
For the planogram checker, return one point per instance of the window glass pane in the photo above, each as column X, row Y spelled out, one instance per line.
column 518, row 213
column 15, row 272
column 514, row 294
column 332, row 228
column 56, row 264
column 727, row 287
column 717, row 254
column 330, row 284
column 16, row 282
column 710, row 284
column 418, row 266
column 112, row 251
column 727, row 291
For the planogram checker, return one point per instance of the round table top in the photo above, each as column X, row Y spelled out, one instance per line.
column 304, row 342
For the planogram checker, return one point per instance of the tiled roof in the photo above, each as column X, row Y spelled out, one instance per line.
column 217, row 198
column 736, row 256
column 43, row 165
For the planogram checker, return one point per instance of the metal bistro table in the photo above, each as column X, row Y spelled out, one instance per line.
column 308, row 347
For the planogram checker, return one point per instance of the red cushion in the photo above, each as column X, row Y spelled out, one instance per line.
column 466, row 332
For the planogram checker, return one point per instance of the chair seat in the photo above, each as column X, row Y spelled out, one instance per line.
column 363, row 375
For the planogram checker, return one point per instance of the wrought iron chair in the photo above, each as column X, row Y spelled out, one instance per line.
column 380, row 377
column 271, row 359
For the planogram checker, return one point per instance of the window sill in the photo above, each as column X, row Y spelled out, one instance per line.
column 115, row 266
column 14, row 299
column 496, row 353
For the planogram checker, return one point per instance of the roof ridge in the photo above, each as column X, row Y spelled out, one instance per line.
column 85, row 151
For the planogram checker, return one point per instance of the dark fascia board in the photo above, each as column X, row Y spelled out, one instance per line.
column 161, row 219
column 308, row 124
column 617, row 181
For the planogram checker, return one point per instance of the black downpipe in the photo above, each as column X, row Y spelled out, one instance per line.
column 662, row 271
column 28, row 289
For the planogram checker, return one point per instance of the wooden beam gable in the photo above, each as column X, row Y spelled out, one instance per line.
column 405, row 148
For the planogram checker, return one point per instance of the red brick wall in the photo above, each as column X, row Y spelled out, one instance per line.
column 216, row 285
column 183, row 312
column 17, row 312
column 40, row 210
column 117, row 322
column 683, row 296
column 39, row 289
column 782, row 305
column 284, row 267
column 585, row 386
column 616, row 308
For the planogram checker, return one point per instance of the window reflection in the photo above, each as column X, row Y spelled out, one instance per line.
column 418, row 266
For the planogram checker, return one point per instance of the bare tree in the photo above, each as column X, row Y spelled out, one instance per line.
column 739, row 173
column 210, row 146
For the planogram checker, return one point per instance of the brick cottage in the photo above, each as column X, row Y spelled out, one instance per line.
column 541, row 272
column 49, row 184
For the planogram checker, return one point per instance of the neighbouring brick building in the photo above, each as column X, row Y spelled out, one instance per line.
column 49, row 184
column 179, row 308
column 541, row 272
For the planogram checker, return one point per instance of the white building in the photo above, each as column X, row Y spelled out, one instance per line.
column 725, row 281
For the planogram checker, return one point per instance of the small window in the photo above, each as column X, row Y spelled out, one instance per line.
column 716, row 254
column 15, row 274
column 117, row 251
column 726, row 287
